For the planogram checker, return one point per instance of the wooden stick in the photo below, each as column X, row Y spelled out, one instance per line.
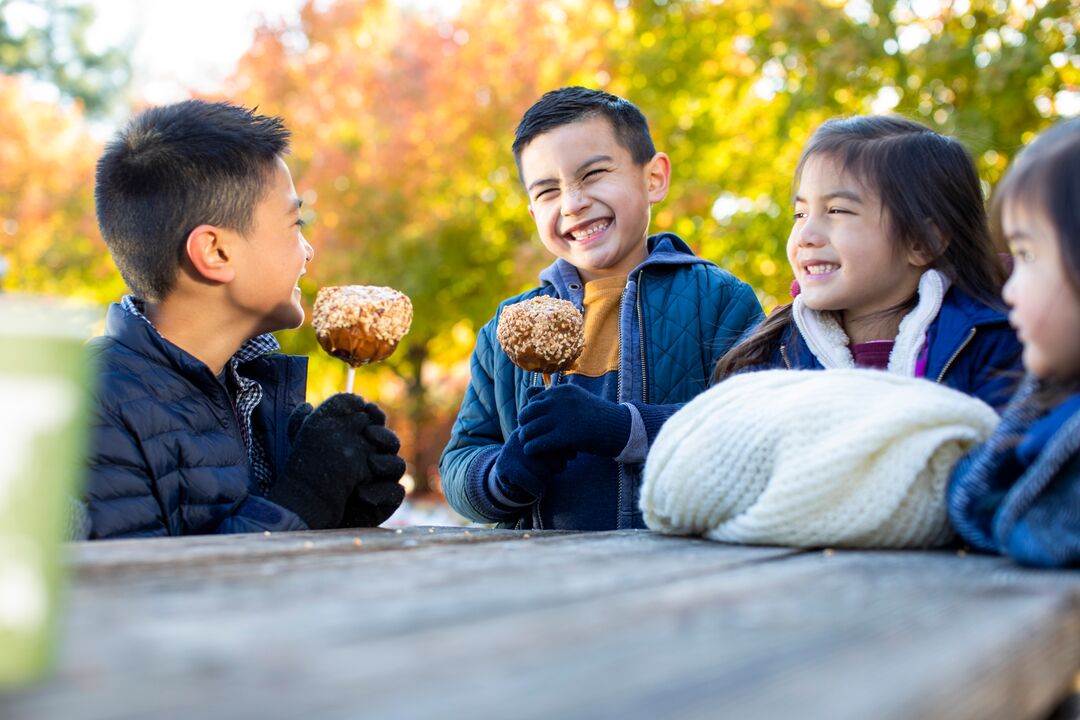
column 349, row 379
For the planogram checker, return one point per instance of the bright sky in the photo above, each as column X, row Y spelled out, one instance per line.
column 176, row 47
column 181, row 45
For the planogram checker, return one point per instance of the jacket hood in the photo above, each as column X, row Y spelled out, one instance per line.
column 663, row 248
column 966, row 310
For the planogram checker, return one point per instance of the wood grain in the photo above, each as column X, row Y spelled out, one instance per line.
column 622, row 624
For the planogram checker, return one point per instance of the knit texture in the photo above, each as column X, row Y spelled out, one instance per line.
column 855, row 458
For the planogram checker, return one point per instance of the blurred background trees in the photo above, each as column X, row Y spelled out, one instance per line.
column 403, row 114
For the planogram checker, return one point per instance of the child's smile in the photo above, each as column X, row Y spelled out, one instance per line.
column 588, row 231
column 818, row 270
column 840, row 249
column 589, row 199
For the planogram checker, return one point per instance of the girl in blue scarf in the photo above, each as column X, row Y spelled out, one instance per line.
column 1019, row 493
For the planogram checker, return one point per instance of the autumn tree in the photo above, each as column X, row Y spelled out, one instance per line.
column 403, row 121
column 48, row 40
column 48, row 233
column 402, row 125
column 403, row 117
column 734, row 92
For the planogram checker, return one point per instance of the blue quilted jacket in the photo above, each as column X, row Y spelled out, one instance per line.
column 166, row 454
column 970, row 348
column 1018, row 493
column 679, row 314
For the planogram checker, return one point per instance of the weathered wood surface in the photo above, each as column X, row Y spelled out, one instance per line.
column 437, row 623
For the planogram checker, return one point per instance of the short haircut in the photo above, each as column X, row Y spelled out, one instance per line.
column 574, row 104
column 173, row 168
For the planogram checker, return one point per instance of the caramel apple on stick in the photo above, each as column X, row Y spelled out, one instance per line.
column 542, row 334
column 360, row 324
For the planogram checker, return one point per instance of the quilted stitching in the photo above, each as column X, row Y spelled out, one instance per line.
column 693, row 313
column 165, row 457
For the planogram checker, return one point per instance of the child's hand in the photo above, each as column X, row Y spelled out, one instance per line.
column 523, row 478
column 567, row 418
column 331, row 457
column 373, row 502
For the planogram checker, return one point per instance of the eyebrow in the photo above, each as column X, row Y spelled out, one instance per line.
column 581, row 168
column 297, row 203
column 845, row 194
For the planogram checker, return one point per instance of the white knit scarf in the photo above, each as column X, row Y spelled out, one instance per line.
column 829, row 343
column 853, row 458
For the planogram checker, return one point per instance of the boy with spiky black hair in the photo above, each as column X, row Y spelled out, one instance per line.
column 200, row 427
column 657, row 318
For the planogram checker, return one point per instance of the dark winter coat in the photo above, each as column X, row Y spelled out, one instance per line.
column 1018, row 494
column 166, row 454
column 969, row 347
column 679, row 315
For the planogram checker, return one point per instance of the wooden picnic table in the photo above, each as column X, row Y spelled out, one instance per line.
column 463, row 623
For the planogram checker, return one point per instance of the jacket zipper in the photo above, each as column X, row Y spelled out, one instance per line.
column 618, row 399
column 641, row 338
column 783, row 354
column 283, row 448
column 644, row 389
column 535, row 378
column 959, row 350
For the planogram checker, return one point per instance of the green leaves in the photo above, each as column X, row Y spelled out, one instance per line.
column 403, row 119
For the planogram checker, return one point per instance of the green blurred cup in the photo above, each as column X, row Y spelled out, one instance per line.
column 43, row 393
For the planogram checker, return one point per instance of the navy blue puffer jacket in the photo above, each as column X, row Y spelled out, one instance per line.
column 166, row 453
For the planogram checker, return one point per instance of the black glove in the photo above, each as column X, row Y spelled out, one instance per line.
column 375, row 501
column 329, row 460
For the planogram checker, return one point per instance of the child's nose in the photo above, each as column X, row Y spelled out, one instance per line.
column 309, row 252
column 809, row 233
column 1008, row 290
column 574, row 201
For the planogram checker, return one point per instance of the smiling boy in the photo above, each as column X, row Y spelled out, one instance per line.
column 198, row 426
column 657, row 318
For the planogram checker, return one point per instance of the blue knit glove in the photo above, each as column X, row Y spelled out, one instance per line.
column 522, row 478
column 567, row 418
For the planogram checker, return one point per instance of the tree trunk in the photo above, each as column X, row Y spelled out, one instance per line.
column 418, row 416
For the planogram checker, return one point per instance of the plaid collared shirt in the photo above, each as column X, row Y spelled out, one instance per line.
column 248, row 394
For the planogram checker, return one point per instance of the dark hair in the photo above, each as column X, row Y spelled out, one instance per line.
column 1045, row 177
column 573, row 104
column 932, row 200
column 173, row 168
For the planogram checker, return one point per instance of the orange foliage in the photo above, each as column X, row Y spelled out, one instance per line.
column 47, row 230
column 402, row 123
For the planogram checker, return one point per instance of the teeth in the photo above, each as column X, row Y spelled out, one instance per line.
column 821, row 269
column 590, row 231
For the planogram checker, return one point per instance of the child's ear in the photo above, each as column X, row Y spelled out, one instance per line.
column 658, row 176
column 921, row 256
column 209, row 250
column 918, row 257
